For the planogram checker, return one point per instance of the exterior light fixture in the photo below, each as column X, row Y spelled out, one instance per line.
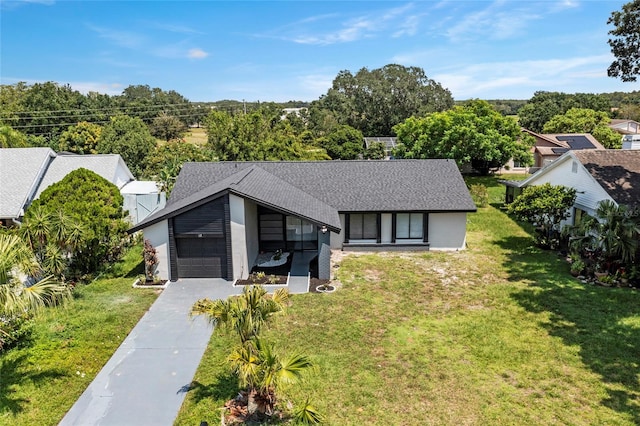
column 324, row 229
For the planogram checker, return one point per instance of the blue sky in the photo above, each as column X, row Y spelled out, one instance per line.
column 292, row 50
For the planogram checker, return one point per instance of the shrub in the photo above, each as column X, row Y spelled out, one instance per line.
column 96, row 204
column 150, row 259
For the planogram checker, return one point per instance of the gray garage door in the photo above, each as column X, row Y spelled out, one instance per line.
column 201, row 257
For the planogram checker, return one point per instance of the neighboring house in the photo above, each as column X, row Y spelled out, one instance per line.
column 141, row 198
column 596, row 175
column 625, row 127
column 26, row 172
column 221, row 215
column 389, row 144
column 549, row 147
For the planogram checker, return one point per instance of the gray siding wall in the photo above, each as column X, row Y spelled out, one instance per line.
column 324, row 256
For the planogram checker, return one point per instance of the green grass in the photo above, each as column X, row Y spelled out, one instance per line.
column 196, row 136
column 498, row 334
column 42, row 378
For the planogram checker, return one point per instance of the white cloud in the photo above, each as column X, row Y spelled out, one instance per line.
column 395, row 21
column 173, row 28
column 501, row 80
column 121, row 38
column 498, row 21
column 197, row 54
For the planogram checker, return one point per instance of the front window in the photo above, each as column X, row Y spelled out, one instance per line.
column 409, row 226
column 363, row 226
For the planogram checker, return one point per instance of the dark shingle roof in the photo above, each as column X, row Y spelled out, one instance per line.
column 318, row 190
column 617, row 171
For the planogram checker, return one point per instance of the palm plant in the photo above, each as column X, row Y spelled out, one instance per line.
column 259, row 368
column 612, row 235
column 18, row 263
column 53, row 238
column 245, row 314
column 264, row 373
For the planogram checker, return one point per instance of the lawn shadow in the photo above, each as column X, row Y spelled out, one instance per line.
column 223, row 387
column 601, row 321
column 13, row 373
column 136, row 270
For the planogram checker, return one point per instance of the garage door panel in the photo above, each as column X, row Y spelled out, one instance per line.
column 201, row 257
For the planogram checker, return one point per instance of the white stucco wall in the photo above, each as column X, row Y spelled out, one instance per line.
column 338, row 239
column 251, row 231
column 158, row 236
column 238, row 237
column 386, row 227
column 447, row 231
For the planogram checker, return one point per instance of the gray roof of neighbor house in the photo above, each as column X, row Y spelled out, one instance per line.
column 26, row 172
column 105, row 165
column 319, row 189
column 21, row 170
column 617, row 171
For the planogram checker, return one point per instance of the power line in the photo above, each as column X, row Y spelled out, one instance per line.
column 75, row 122
column 146, row 108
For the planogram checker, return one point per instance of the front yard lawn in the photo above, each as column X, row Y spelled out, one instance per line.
column 42, row 378
column 497, row 334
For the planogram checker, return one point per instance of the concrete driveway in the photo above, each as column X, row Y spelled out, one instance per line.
column 145, row 381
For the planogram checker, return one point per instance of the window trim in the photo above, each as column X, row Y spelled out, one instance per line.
column 347, row 226
column 425, row 229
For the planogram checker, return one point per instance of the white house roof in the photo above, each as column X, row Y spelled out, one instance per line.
column 140, row 187
column 26, row 172
column 20, row 172
column 109, row 166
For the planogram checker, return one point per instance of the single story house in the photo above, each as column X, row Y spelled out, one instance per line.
column 26, row 172
column 596, row 175
column 222, row 215
column 625, row 126
column 549, row 147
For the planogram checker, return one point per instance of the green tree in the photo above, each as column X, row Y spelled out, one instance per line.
column 10, row 138
column 165, row 163
column 257, row 136
column 625, row 44
column 167, row 127
column 145, row 103
column 89, row 199
column 582, row 120
column 49, row 108
column 130, row 138
column 81, row 138
column 17, row 298
column 343, row 143
column 376, row 151
column 373, row 101
column 474, row 133
column 545, row 105
column 545, row 207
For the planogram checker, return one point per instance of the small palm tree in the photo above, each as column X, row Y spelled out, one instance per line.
column 246, row 314
column 18, row 262
column 265, row 373
column 613, row 234
column 53, row 238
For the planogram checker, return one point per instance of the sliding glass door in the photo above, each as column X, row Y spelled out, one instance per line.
column 301, row 235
